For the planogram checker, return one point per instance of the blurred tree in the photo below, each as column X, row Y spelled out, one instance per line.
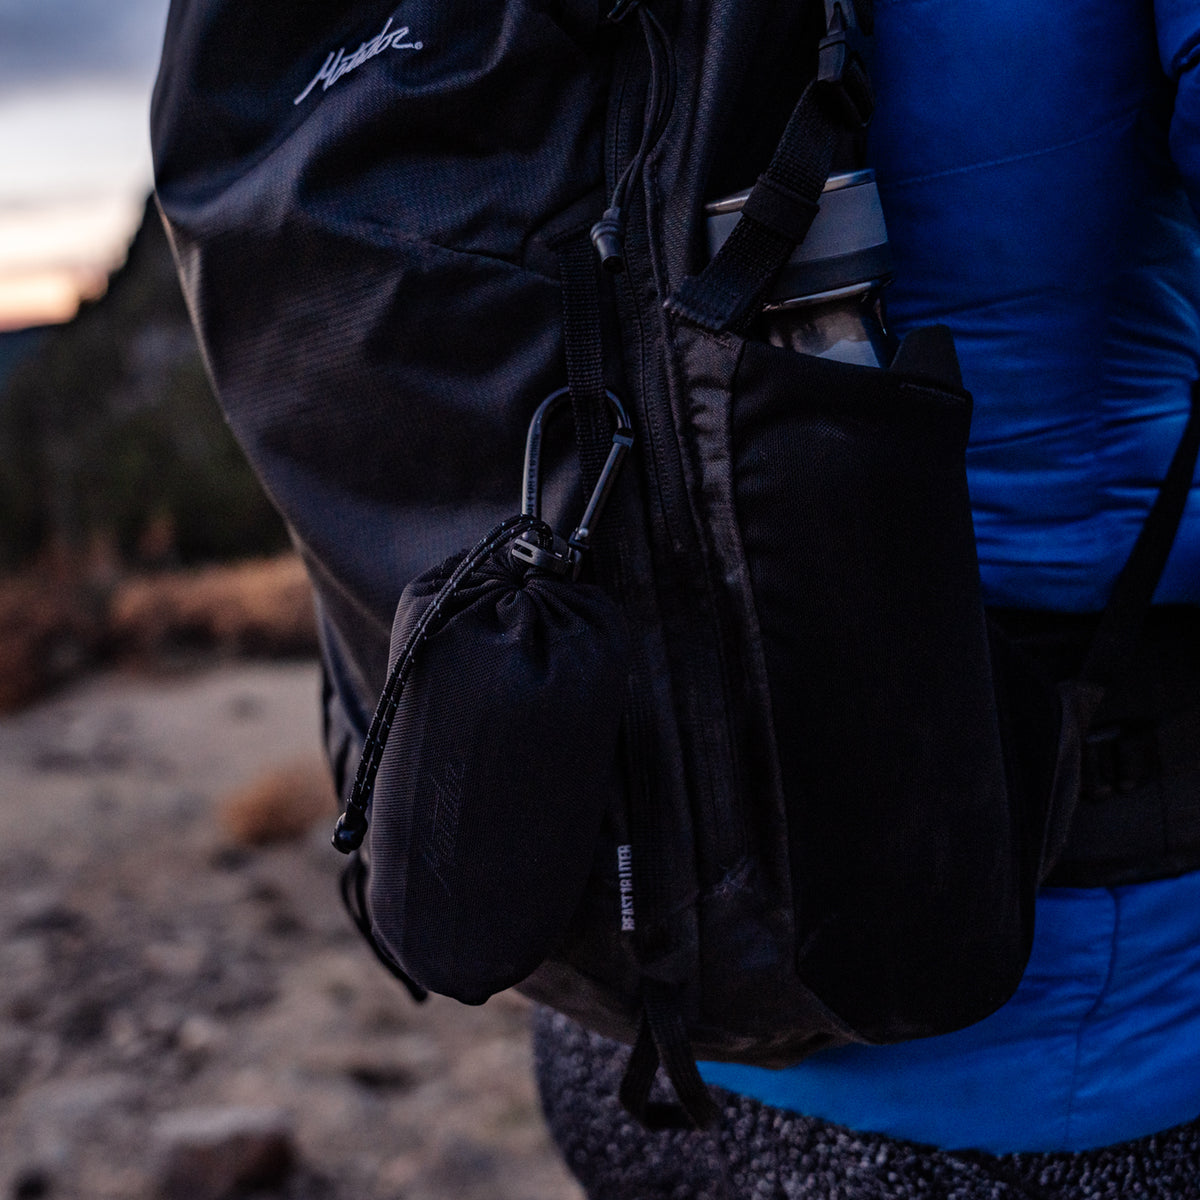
column 110, row 435
column 16, row 344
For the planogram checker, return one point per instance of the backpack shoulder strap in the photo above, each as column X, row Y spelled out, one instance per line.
column 1132, row 594
column 1117, row 636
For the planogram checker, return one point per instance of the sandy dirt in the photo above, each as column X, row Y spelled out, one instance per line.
column 151, row 965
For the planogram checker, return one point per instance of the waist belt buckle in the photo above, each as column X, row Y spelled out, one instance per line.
column 1119, row 759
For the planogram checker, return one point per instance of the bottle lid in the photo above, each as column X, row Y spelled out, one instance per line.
column 846, row 246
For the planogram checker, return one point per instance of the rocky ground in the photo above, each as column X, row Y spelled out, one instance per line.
column 184, row 1011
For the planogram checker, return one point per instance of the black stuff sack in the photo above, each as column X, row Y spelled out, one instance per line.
column 492, row 758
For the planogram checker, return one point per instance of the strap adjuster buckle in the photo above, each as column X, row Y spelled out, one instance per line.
column 839, row 65
column 1119, row 759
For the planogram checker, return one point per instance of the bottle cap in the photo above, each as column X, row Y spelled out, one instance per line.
column 846, row 247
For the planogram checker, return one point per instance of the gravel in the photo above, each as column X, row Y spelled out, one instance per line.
column 159, row 979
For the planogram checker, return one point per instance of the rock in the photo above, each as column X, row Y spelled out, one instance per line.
column 175, row 959
column 77, row 1105
column 43, row 912
column 464, row 1168
column 15, row 1046
column 31, row 1183
column 214, row 1153
column 54, row 1125
column 396, row 1064
column 198, row 1035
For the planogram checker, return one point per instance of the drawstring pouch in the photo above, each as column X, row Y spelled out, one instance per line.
column 492, row 757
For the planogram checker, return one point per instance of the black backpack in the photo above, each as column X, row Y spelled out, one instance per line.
column 708, row 741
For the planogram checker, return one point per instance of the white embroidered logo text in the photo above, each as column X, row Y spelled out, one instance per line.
column 340, row 63
column 625, row 876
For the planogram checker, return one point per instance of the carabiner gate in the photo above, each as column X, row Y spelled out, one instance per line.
column 552, row 553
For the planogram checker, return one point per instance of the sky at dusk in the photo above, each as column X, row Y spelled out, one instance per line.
column 75, row 81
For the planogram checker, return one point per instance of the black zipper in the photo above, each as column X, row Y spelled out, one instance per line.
column 661, row 437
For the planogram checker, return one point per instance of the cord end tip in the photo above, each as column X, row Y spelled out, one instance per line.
column 350, row 831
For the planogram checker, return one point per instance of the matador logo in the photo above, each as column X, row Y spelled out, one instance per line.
column 340, row 63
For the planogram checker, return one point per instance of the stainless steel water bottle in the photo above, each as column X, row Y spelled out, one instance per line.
column 827, row 298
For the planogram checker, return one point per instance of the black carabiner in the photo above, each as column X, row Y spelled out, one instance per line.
column 566, row 557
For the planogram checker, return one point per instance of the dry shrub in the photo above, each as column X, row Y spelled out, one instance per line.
column 70, row 612
column 263, row 606
column 281, row 804
column 49, row 629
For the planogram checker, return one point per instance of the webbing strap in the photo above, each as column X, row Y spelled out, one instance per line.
column 775, row 218
column 1113, row 648
column 1121, row 625
column 583, row 341
column 662, row 1039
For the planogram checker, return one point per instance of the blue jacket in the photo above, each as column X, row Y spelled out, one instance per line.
column 1039, row 166
column 1034, row 179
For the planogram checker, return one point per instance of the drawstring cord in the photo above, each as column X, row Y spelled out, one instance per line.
column 608, row 234
column 352, row 826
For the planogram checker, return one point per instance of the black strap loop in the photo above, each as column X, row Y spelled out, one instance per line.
column 729, row 291
column 780, row 209
column 584, row 344
column 662, row 1039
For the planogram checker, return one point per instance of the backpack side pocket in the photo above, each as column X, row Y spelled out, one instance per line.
column 851, row 495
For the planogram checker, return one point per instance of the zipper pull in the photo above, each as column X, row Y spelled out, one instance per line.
column 608, row 233
column 608, row 238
